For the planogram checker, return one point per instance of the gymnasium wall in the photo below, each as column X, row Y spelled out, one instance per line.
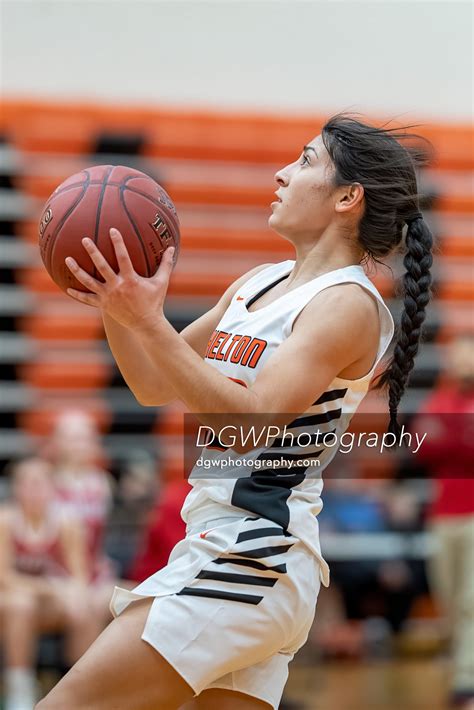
column 407, row 58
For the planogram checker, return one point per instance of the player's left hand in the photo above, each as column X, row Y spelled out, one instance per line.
column 130, row 299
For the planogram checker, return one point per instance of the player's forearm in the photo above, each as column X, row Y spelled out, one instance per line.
column 201, row 387
column 148, row 384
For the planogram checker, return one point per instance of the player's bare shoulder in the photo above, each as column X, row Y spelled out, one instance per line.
column 347, row 314
column 352, row 299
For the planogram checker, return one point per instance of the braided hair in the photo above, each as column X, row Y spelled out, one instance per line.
column 386, row 169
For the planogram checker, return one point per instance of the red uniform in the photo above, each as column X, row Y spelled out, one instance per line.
column 87, row 498
column 448, row 449
column 165, row 530
column 37, row 551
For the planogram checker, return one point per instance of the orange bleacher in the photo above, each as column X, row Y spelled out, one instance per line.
column 72, row 127
column 249, row 147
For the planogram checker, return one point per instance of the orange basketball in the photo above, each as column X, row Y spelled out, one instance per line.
column 89, row 203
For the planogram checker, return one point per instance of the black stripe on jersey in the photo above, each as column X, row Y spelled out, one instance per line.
column 275, row 456
column 261, row 532
column 313, row 439
column 281, row 569
column 238, row 578
column 267, row 494
column 215, row 594
column 330, row 395
column 315, row 419
column 259, row 552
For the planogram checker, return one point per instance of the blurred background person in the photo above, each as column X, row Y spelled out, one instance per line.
column 43, row 580
column 164, row 530
column 373, row 595
column 84, row 490
column 134, row 504
column 447, row 417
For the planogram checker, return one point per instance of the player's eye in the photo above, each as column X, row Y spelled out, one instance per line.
column 304, row 160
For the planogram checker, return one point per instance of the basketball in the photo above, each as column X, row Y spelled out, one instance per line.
column 89, row 203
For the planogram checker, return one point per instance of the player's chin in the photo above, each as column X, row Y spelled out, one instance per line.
column 278, row 226
column 274, row 222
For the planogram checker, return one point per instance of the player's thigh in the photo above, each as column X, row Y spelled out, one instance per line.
column 120, row 671
column 225, row 700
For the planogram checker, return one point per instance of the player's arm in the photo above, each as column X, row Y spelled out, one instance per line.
column 295, row 376
column 326, row 339
column 144, row 377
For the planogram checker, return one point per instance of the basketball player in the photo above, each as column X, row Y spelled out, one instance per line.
column 217, row 627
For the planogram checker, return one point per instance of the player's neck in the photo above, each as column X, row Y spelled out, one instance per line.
column 314, row 263
column 328, row 253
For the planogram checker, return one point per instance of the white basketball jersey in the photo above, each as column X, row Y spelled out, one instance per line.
column 239, row 347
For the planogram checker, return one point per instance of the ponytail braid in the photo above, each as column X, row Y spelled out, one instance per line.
column 385, row 164
column 417, row 281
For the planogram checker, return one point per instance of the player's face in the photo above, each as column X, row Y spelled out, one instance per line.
column 304, row 206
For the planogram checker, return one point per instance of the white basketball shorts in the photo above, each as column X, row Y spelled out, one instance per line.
column 232, row 607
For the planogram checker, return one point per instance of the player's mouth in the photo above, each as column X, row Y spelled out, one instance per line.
column 278, row 200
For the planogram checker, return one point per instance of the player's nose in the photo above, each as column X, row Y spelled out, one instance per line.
column 281, row 177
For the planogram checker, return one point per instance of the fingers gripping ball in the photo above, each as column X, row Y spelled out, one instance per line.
column 89, row 203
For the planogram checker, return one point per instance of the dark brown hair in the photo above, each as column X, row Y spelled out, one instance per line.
column 386, row 169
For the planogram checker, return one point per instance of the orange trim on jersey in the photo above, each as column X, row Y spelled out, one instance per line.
column 239, row 382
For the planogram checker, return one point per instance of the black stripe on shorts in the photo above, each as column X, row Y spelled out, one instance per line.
column 263, row 551
column 261, row 532
column 215, row 594
column 254, row 564
column 237, row 578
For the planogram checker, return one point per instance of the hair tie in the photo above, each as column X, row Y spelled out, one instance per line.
column 412, row 217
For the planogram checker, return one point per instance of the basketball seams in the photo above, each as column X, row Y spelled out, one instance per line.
column 111, row 183
column 135, row 228
column 76, row 184
column 62, row 222
column 99, row 209
column 157, row 203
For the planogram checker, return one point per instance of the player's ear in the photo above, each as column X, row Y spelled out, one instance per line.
column 351, row 197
